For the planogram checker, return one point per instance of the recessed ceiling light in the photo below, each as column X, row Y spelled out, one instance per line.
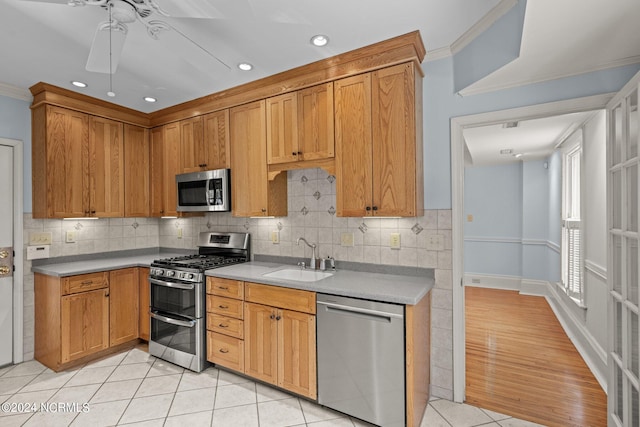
column 506, row 151
column 111, row 94
column 150, row 99
column 319, row 40
column 78, row 84
column 245, row 66
column 517, row 156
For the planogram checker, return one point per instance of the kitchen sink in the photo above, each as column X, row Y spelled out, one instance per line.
column 298, row 275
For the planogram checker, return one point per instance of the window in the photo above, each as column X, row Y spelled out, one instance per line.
column 572, row 259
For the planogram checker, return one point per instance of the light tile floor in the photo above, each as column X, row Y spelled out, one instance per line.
column 134, row 388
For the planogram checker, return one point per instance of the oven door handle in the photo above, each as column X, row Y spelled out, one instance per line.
column 184, row 323
column 171, row 284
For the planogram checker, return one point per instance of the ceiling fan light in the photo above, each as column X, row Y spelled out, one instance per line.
column 319, row 40
column 245, row 66
column 77, row 83
column 150, row 99
column 111, row 94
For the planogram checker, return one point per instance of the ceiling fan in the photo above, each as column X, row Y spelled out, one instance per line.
column 110, row 35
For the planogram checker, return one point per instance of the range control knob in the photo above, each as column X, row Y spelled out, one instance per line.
column 159, row 272
column 188, row 276
column 171, row 273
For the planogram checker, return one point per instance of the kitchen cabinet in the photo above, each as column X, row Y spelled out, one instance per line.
column 165, row 165
column 225, row 324
column 78, row 164
column 144, row 303
column 379, row 143
column 253, row 194
column 300, row 130
column 82, row 317
column 124, row 294
column 280, row 342
column 136, row 171
column 205, row 142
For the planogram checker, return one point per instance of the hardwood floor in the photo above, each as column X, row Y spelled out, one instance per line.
column 520, row 362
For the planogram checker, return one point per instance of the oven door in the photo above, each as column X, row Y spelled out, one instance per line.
column 178, row 340
column 183, row 299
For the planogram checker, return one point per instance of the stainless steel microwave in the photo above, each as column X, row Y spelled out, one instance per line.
column 204, row 191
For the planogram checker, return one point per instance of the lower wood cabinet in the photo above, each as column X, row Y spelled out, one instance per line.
column 81, row 317
column 145, row 303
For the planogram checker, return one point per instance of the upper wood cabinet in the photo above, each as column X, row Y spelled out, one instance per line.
column 252, row 193
column 205, row 141
column 379, row 143
column 165, row 165
column 300, row 125
column 78, row 164
column 136, row 171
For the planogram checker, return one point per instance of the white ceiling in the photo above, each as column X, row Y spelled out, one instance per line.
column 532, row 139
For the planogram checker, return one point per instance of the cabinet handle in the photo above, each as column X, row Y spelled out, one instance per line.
column 224, row 307
column 368, row 208
column 299, row 153
column 375, row 208
column 93, row 212
column 223, row 288
column 263, row 210
column 224, row 350
column 86, row 282
column 106, row 294
column 162, row 211
column 222, row 325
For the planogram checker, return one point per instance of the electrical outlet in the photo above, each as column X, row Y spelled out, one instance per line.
column 179, row 232
column 394, row 240
column 41, row 238
column 346, row 239
column 70, row 236
column 275, row 237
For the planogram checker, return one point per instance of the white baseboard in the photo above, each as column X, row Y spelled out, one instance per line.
column 592, row 353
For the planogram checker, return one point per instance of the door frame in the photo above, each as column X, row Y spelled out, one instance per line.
column 18, row 247
column 458, row 124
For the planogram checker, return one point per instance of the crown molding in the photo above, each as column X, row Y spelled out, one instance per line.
column 482, row 25
column 440, row 53
column 15, row 92
column 606, row 66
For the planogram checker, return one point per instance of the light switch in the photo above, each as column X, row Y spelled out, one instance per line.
column 394, row 240
column 179, row 233
column 40, row 238
column 70, row 236
column 346, row 239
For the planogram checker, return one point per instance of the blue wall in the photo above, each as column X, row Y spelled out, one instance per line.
column 15, row 123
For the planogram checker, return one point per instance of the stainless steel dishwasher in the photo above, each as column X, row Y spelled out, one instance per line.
column 361, row 358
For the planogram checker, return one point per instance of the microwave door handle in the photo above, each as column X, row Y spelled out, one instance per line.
column 187, row 286
column 165, row 319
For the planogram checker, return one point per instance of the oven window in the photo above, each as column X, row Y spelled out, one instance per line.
column 192, row 193
column 173, row 300
column 179, row 338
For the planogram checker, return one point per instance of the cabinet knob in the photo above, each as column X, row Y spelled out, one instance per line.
column 299, row 153
column 93, row 212
column 375, row 208
column 278, row 317
column 293, row 154
column 368, row 208
column 263, row 210
column 273, row 316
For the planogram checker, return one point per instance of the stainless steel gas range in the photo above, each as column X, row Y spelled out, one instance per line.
column 178, row 313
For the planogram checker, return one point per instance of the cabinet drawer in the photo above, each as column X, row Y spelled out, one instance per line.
column 225, row 287
column 276, row 296
column 225, row 325
column 225, row 351
column 85, row 282
column 225, row 306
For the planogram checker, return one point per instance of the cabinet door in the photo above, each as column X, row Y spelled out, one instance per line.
column 106, row 168
column 136, row 171
column 171, row 166
column 216, row 140
column 84, row 321
column 123, row 306
column 260, row 342
column 297, row 352
column 315, row 122
column 248, row 160
column 144, row 321
column 67, row 178
column 157, row 171
column 394, row 141
column 193, row 151
column 282, row 129
column 353, row 146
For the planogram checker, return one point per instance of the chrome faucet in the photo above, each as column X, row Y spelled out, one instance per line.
column 312, row 261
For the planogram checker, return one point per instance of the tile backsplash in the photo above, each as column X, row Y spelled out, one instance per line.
column 424, row 242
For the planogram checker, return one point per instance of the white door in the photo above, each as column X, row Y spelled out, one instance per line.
column 6, row 254
column 622, row 270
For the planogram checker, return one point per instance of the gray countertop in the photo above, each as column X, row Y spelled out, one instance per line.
column 393, row 288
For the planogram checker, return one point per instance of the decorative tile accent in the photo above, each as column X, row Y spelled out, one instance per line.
column 247, row 225
column 317, row 195
column 209, row 225
column 279, row 225
column 304, row 179
column 332, row 210
column 331, row 179
column 304, row 210
column 417, row 229
column 78, row 226
column 135, row 225
column 177, row 224
column 363, row 228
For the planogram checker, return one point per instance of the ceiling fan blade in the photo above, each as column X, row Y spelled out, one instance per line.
column 224, row 9
column 106, row 48
column 49, row 1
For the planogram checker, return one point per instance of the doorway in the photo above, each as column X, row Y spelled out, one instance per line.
column 11, row 251
column 458, row 214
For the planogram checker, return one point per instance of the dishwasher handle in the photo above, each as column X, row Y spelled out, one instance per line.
column 380, row 315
